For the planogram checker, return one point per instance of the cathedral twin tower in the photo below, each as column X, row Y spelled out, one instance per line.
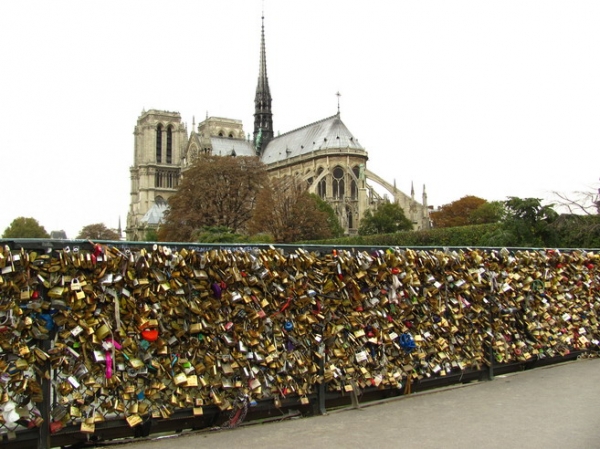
column 324, row 154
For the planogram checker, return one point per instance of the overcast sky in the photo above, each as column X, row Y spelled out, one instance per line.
column 485, row 98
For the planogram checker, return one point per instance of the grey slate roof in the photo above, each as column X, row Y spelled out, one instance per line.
column 155, row 214
column 223, row 146
column 326, row 134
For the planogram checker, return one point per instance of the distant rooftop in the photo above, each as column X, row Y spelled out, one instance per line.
column 59, row 235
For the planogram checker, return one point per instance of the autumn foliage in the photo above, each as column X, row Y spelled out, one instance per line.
column 98, row 231
column 215, row 191
column 289, row 213
column 457, row 213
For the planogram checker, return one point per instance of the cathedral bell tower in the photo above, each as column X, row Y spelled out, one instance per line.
column 159, row 140
column 263, row 117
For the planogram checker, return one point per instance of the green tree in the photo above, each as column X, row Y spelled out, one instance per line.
column 151, row 236
column 332, row 220
column 214, row 191
column 488, row 212
column 388, row 218
column 217, row 234
column 528, row 223
column 98, row 231
column 577, row 230
column 25, row 228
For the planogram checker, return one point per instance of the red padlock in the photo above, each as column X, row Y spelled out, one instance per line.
column 150, row 334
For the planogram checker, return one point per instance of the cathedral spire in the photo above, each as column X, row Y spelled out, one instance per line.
column 263, row 116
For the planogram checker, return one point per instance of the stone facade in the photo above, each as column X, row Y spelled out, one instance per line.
column 160, row 140
column 325, row 154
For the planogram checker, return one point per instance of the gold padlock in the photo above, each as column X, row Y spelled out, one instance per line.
column 134, row 420
column 102, row 332
column 87, row 427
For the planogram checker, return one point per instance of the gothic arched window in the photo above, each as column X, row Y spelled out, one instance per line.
column 159, row 130
column 169, row 144
column 349, row 217
column 338, row 182
column 353, row 185
column 322, row 186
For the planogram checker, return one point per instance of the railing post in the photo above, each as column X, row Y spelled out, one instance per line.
column 45, row 407
column 491, row 348
column 321, row 387
column 491, row 303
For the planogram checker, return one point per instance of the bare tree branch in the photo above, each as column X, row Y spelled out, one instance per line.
column 587, row 203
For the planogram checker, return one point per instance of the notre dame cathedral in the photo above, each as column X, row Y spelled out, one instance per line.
column 324, row 154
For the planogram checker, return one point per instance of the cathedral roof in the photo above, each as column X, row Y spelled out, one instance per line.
column 327, row 134
column 155, row 214
column 223, row 146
